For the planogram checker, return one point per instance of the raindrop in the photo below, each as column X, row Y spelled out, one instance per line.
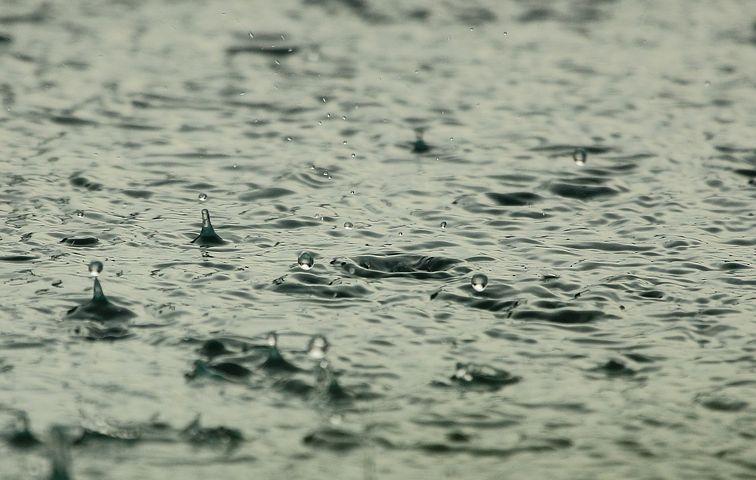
column 580, row 156
column 251, row 35
column 79, row 213
column 95, row 268
column 202, row 197
column 479, row 282
column 317, row 348
column 353, row 192
column 443, row 225
column 354, row 155
column 348, row 225
column 272, row 339
column 306, row 260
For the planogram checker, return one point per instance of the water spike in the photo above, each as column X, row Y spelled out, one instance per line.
column 206, row 219
column 275, row 360
column 419, row 145
column 207, row 235
column 99, row 308
column 97, row 294
column 60, row 458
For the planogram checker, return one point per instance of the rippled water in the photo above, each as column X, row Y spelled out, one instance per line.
column 595, row 160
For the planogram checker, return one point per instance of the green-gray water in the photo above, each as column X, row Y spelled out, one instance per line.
column 615, row 337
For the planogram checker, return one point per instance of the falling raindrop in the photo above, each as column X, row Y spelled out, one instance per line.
column 443, row 225
column 272, row 339
column 202, row 197
column 348, row 225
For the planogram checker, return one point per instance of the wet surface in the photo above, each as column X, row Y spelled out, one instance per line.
column 362, row 162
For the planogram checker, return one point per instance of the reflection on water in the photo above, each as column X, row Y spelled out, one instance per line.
column 448, row 239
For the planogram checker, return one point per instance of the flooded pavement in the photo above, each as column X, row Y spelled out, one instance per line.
column 449, row 239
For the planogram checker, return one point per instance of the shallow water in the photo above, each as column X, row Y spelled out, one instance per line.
column 615, row 337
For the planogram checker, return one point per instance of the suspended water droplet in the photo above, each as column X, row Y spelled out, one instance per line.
column 344, row 142
column 580, row 156
column 324, row 99
column 443, row 225
column 79, row 213
column 348, row 225
column 353, row 192
column 272, row 339
column 306, row 260
column 317, row 347
column 251, row 35
column 202, row 197
column 95, row 268
column 354, row 155
column 479, row 282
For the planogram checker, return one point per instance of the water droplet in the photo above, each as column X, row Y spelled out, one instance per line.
column 463, row 373
column 79, row 213
column 344, row 142
column 306, row 260
column 580, row 156
column 324, row 99
column 95, row 268
column 317, row 348
column 348, row 225
column 451, row 139
column 354, row 155
column 353, row 192
column 443, row 225
column 251, row 35
column 479, row 282
column 202, row 197
column 272, row 339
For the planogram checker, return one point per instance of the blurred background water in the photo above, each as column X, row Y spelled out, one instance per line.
column 594, row 160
